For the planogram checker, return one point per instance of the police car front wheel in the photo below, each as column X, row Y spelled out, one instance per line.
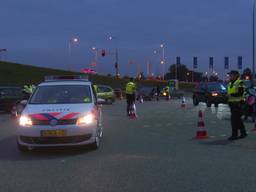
column 22, row 148
column 96, row 144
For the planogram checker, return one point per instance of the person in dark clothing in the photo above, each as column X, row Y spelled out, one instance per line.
column 158, row 92
column 236, row 98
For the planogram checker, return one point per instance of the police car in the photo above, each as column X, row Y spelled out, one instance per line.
column 63, row 111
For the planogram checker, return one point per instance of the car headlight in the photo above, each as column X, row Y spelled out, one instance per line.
column 25, row 121
column 87, row 119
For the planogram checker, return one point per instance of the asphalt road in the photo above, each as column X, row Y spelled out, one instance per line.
column 156, row 152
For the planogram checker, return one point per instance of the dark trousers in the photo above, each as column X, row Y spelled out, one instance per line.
column 236, row 121
column 130, row 99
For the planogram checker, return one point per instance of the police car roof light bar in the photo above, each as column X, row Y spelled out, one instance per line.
column 66, row 77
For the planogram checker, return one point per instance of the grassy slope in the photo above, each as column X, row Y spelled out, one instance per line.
column 17, row 74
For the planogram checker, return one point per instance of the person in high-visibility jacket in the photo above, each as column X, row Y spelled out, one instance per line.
column 236, row 98
column 167, row 92
column 29, row 88
column 130, row 91
column 95, row 87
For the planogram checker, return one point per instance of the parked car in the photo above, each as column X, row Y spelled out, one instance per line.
column 146, row 93
column 210, row 93
column 9, row 96
column 106, row 92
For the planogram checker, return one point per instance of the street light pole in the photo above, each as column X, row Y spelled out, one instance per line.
column 110, row 38
column 116, row 63
column 163, row 58
column 70, row 42
column 95, row 63
column 253, row 43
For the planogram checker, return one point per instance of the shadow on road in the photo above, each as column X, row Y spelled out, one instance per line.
column 9, row 151
column 217, row 142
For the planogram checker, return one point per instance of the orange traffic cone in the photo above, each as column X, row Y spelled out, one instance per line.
column 201, row 130
column 133, row 114
column 183, row 103
column 254, row 128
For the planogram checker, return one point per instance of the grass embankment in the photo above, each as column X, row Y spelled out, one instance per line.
column 18, row 74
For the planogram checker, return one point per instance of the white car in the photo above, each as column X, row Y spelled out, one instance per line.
column 63, row 111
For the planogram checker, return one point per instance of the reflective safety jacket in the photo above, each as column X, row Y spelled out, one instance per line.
column 95, row 88
column 167, row 89
column 233, row 91
column 29, row 89
column 130, row 88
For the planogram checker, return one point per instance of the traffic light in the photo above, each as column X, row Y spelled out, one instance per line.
column 103, row 53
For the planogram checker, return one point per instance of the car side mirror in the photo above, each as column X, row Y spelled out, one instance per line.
column 24, row 102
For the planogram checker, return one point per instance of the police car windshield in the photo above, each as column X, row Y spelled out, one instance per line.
column 62, row 94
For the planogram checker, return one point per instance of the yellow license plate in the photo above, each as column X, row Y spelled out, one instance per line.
column 53, row 133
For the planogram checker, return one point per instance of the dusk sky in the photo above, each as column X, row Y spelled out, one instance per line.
column 38, row 32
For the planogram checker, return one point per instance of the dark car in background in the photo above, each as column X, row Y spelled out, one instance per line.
column 9, row 96
column 210, row 93
column 147, row 93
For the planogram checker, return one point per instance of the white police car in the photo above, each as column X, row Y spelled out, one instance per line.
column 63, row 111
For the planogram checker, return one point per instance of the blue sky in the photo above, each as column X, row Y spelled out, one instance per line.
column 38, row 32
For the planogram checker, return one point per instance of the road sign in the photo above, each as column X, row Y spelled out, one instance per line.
column 226, row 63
column 178, row 60
column 240, row 62
column 211, row 63
column 195, row 64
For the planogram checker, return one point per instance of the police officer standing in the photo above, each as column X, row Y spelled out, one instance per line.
column 130, row 94
column 236, row 98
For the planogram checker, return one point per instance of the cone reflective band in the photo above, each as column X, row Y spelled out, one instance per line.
column 226, row 63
